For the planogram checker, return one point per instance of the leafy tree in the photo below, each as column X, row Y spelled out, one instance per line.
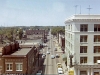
column 56, row 30
column 20, row 33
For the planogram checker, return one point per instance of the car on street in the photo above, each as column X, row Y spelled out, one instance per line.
column 52, row 56
column 39, row 72
column 43, row 56
column 57, row 55
column 59, row 65
column 45, row 45
column 48, row 52
column 48, row 47
column 60, row 71
column 55, row 49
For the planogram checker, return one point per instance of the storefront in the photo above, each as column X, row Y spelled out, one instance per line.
column 87, row 70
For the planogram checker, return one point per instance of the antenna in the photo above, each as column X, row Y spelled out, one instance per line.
column 89, row 9
column 75, row 8
column 80, row 9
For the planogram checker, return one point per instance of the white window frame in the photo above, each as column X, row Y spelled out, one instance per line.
column 19, row 67
column 9, row 66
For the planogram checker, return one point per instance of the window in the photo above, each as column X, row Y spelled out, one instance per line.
column 83, row 38
column 96, row 38
column 9, row 66
column 19, row 66
column 83, row 49
column 96, row 58
column 83, row 72
column 84, row 27
column 96, row 27
column 83, row 60
column 96, row 49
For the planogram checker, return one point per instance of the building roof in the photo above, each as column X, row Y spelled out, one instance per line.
column 23, row 51
column 82, row 17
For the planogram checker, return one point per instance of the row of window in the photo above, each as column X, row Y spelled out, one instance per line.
column 84, row 59
column 83, row 38
column 9, row 66
column 84, row 27
column 83, row 49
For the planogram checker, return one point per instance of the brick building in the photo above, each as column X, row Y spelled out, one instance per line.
column 15, row 60
column 37, row 34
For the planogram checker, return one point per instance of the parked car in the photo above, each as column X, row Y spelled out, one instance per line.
column 60, row 71
column 48, row 52
column 45, row 45
column 59, row 65
column 55, row 49
column 39, row 72
column 43, row 56
column 57, row 55
column 52, row 56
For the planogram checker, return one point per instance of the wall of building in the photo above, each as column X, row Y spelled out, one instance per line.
column 76, row 46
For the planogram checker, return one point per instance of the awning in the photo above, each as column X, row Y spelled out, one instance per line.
column 64, row 56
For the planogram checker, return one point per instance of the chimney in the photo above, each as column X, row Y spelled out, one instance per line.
column 13, row 47
column 8, row 49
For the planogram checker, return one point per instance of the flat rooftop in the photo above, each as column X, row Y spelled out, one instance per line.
column 23, row 51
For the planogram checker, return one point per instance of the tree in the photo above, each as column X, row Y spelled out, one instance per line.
column 57, row 30
column 20, row 33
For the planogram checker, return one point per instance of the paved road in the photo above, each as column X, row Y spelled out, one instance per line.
column 50, row 65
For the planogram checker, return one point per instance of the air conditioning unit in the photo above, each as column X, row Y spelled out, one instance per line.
column 98, row 61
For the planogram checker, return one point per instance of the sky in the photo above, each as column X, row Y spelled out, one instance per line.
column 43, row 12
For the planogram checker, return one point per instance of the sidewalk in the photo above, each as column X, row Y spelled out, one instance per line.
column 63, row 62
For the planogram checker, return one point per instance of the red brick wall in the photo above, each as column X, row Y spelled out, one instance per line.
column 8, row 49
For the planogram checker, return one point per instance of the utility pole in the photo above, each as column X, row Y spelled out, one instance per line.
column 80, row 9
column 89, row 9
column 75, row 9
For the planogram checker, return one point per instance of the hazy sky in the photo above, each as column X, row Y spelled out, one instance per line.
column 43, row 12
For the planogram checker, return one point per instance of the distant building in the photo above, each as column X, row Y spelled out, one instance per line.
column 82, row 44
column 61, row 41
column 14, row 60
column 37, row 34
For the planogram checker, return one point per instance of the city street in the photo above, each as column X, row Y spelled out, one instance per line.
column 50, row 65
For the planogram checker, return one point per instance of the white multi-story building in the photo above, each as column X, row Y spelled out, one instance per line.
column 82, row 43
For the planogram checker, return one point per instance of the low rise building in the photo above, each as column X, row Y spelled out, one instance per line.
column 37, row 34
column 15, row 60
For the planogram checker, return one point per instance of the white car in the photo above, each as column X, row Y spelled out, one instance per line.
column 48, row 52
column 60, row 70
column 43, row 56
column 55, row 49
column 39, row 72
column 57, row 55
column 45, row 45
column 52, row 56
